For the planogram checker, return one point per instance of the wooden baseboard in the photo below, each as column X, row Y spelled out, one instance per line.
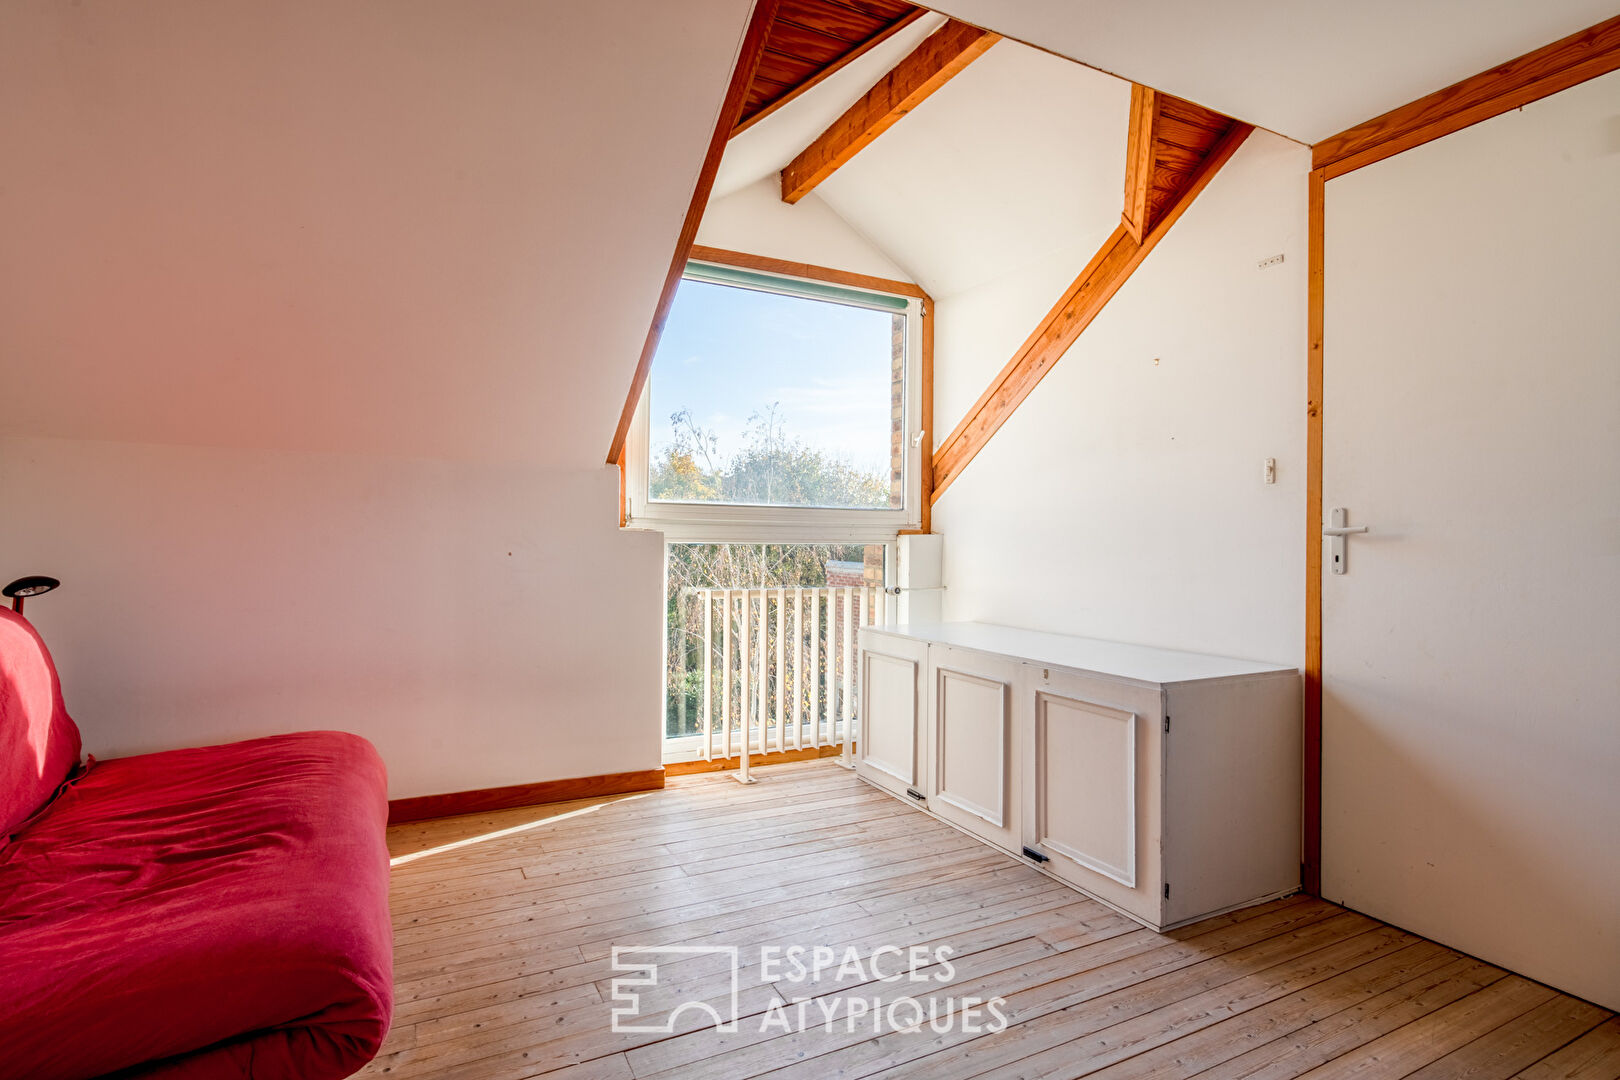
column 778, row 757
column 423, row 807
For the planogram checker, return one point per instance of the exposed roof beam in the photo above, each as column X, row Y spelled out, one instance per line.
column 1168, row 140
column 749, row 119
column 930, row 66
column 1170, row 189
column 1139, row 159
column 742, row 76
column 1592, row 52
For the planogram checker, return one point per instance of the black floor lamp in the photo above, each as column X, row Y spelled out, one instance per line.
column 24, row 587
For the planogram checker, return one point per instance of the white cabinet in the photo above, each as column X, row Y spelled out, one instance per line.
column 1165, row 784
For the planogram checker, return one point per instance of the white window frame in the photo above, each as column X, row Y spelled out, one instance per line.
column 705, row 522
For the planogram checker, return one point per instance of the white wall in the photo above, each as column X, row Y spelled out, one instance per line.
column 483, row 625
column 757, row 221
column 977, row 330
column 1471, row 655
column 1124, row 497
column 404, row 227
column 336, row 303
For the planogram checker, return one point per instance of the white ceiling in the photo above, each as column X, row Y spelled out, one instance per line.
column 1302, row 68
column 388, row 227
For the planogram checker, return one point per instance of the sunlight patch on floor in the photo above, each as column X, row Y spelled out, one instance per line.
column 456, row 845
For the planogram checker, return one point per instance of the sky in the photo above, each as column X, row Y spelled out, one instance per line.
column 727, row 353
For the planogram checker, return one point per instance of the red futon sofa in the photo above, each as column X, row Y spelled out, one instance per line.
column 220, row 912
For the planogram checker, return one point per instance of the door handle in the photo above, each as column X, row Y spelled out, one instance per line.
column 1338, row 530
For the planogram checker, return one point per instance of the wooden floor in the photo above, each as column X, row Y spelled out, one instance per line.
column 504, row 925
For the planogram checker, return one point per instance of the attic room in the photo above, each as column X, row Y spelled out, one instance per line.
column 809, row 538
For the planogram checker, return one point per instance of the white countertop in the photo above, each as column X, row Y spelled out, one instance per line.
column 1114, row 659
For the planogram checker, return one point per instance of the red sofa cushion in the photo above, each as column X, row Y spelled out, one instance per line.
column 222, row 911
column 39, row 742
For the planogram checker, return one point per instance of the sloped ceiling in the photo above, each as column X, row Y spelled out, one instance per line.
column 1019, row 159
column 389, row 227
column 1306, row 69
column 1019, row 156
column 807, row 231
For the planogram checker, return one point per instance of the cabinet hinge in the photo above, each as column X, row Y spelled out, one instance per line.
column 1167, row 890
column 1167, row 723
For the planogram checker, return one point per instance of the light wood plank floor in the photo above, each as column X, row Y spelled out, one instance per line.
column 504, row 926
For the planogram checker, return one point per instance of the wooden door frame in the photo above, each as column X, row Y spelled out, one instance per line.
column 1565, row 63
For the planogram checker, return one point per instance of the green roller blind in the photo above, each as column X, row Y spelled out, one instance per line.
column 748, row 279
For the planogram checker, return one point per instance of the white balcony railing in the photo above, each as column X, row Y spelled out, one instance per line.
column 776, row 668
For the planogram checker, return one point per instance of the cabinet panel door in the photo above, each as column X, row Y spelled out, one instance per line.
column 1085, row 779
column 1093, row 786
column 890, row 745
column 973, row 743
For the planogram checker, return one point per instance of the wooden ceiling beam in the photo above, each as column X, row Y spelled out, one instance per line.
column 930, row 66
column 1565, row 63
column 1139, row 159
column 855, row 53
column 742, row 76
column 1108, row 270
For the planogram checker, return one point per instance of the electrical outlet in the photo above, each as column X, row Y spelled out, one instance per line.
column 1273, row 261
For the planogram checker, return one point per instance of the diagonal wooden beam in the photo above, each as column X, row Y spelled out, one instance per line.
column 1109, row 269
column 1567, row 62
column 930, row 66
column 742, row 76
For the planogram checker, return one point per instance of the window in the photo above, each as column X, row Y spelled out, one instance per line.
column 779, row 403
